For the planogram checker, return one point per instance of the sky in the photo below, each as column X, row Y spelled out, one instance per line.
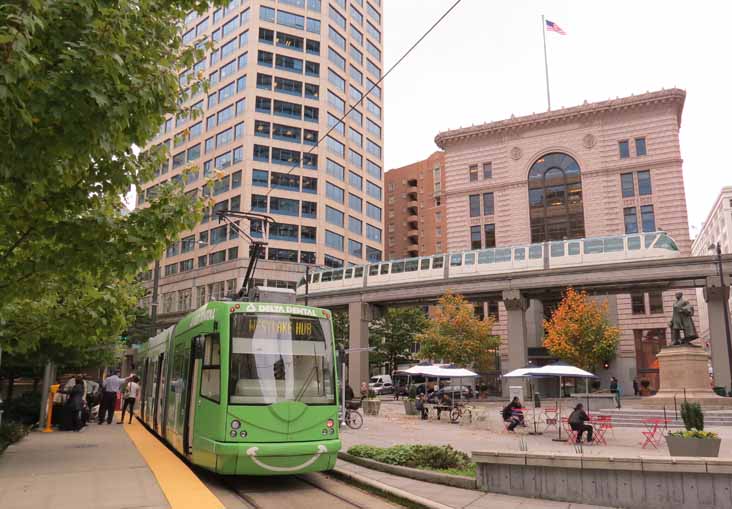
column 485, row 62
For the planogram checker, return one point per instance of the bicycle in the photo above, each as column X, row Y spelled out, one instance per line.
column 353, row 418
column 457, row 413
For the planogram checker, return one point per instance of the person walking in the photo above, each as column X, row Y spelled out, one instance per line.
column 110, row 388
column 615, row 389
column 577, row 420
column 75, row 403
column 132, row 391
column 636, row 387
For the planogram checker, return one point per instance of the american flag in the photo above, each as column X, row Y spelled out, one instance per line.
column 553, row 27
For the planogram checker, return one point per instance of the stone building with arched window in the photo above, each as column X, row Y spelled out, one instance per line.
column 599, row 169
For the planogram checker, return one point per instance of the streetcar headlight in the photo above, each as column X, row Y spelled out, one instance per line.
column 233, row 433
column 325, row 431
column 235, row 424
column 332, row 431
column 243, row 434
column 330, row 423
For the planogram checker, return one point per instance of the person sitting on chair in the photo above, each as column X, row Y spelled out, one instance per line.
column 512, row 414
column 577, row 420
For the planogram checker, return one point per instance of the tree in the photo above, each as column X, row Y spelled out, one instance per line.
column 341, row 329
column 81, row 84
column 393, row 335
column 456, row 335
column 579, row 332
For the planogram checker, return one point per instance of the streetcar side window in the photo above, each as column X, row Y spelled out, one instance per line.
column 397, row 267
column 593, row 246
column 614, row 244
column 384, row 268
column 456, row 260
column 373, row 270
column 424, row 264
column 556, row 249
column 649, row 240
column 438, row 262
column 469, row 258
column 211, row 369
column 535, row 252
column 485, row 257
column 634, row 243
column 327, row 276
column 519, row 254
column 573, row 248
column 348, row 274
column 337, row 275
column 358, row 272
column 411, row 265
column 316, row 278
column 503, row 255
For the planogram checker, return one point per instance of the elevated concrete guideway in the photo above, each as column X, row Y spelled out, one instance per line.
column 516, row 289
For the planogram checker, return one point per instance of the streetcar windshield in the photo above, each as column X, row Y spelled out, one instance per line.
column 278, row 357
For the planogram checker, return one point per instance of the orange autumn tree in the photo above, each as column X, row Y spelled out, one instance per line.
column 456, row 335
column 580, row 333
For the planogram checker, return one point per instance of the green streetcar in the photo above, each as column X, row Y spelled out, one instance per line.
column 245, row 388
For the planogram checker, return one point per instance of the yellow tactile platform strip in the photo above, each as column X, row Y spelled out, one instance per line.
column 181, row 486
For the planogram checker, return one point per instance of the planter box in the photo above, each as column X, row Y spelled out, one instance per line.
column 410, row 407
column 371, row 406
column 699, row 447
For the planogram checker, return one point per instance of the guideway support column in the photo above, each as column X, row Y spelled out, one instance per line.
column 359, row 315
column 516, row 304
column 713, row 294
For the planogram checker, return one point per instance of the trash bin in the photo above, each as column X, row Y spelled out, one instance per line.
column 516, row 391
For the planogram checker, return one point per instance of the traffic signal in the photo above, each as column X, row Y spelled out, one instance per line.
column 606, row 365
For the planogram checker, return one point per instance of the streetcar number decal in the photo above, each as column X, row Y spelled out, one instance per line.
column 252, row 453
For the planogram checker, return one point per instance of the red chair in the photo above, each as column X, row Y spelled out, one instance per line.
column 571, row 434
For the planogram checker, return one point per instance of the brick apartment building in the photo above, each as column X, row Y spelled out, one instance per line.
column 415, row 209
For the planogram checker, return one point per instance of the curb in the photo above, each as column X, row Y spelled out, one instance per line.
column 455, row 481
column 389, row 490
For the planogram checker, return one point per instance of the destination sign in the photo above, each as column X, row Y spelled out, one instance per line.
column 276, row 327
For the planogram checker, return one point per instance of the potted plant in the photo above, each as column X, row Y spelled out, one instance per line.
column 410, row 404
column 693, row 441
column 372, row 404
column 645, row 388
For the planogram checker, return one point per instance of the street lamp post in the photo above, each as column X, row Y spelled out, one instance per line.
column 725, row 303
column 154, row 310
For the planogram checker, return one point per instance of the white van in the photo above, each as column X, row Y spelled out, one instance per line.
column 379, row 379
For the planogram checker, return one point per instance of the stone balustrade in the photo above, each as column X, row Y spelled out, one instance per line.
column 628, row 482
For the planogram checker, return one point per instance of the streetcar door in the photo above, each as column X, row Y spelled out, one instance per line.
column 157, row 397
column 191, row 397
column 143, row 389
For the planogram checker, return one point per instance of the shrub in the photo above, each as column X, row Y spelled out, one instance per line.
column 23, row 409
column 11, row 432
column 646, row 383
column 694, row 434
column 415, row 456
column 372, row 394
column 693, row 416
column 412, row 391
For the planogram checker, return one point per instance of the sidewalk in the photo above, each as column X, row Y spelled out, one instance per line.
column 99, row 468
column 446, row 497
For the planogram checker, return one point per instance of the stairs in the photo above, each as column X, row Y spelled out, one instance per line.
column 634, row 417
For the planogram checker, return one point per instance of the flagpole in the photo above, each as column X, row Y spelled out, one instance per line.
column 546, row 63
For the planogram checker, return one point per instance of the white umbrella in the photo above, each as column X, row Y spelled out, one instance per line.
column 520, row 372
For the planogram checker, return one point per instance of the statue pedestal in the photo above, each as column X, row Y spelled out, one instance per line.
column 684, row 370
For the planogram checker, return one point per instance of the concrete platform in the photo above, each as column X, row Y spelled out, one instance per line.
column 98, row 468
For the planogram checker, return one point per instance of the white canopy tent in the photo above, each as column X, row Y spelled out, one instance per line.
column 439, row 371
column 558, row 369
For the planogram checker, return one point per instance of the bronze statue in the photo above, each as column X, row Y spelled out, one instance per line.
column 681, row 321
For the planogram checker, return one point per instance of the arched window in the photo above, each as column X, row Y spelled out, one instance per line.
column 555, row 199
